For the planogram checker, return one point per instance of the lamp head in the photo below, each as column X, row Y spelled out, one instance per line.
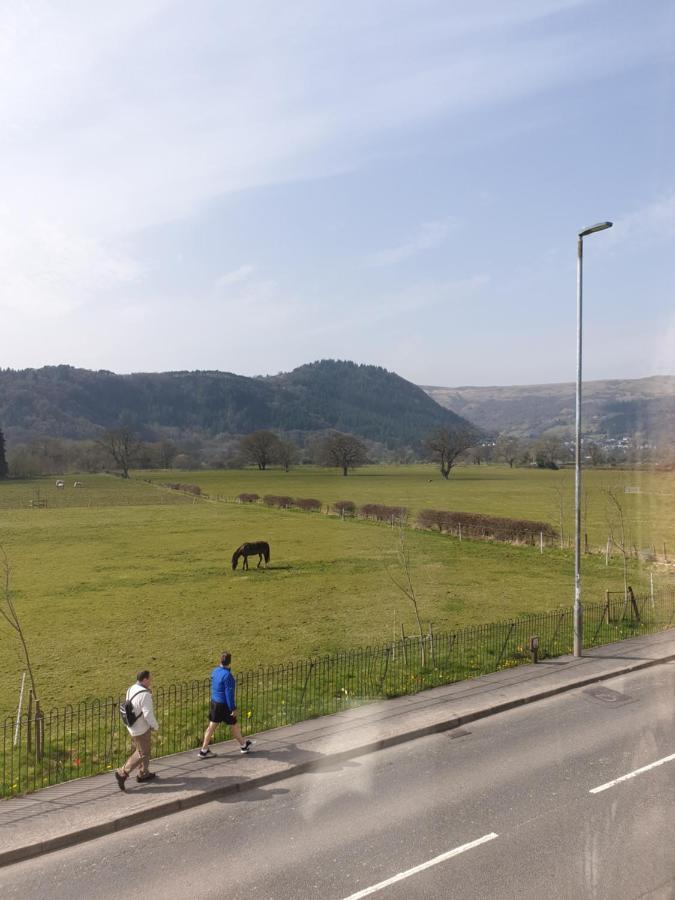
column 593, row 228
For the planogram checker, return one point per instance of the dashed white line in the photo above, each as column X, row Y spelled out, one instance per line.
column 426, row 865
column 609, row 784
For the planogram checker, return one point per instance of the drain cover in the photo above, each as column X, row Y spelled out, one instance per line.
column 607, row 695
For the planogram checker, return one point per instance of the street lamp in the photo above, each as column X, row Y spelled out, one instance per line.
column 578, row 623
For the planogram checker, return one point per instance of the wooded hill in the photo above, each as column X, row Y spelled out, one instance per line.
column 611, row 409
column 65, row 402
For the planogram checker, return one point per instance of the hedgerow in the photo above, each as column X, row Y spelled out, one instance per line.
column 482, row 527
column 382, row 513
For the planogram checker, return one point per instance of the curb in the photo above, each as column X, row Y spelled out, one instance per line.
column 82, row 835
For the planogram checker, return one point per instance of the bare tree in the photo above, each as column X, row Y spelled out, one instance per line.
column 562, row 494
column 123, row 445
column 167, row 452
column 405, row 583
column 508, row 448
column 597, row 454
column 345, row 451
column 287, row 454
column 10, row 615
column 446, row 445
column 550, row 451
column 476, row 454
column 260, row 447
column 619, row 531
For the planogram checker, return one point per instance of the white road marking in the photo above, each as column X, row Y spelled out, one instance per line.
column 659, row 762
column 422, row 866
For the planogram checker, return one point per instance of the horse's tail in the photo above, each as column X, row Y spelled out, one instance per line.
column 235, row 557
column 267, row 553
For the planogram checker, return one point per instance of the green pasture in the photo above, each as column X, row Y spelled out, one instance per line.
column 123, row 575
column 97, row 490
column 647, row 498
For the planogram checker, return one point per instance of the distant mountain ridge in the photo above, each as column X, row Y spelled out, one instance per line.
column 65, row 402
column 611, row 409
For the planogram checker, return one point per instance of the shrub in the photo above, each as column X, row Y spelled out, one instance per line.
column 344, row 507
column 281, row 502
column 187, row 488
column 476, row 525
column 381, row 513
column 308, row 503
column 247, row 498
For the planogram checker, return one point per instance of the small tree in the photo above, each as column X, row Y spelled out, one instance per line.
column 619, row 532
column 549, row 452
column 260, row 448
column 597, row 454
column 344, row 451
column 167, row 452
column 123, row 445
column 508, row 448
column 405, row 583
column 11, row 617
column 4, row 469
column 287, row 455
column 446, row 445
column 562, row 498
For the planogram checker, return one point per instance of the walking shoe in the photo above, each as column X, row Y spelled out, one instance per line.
column 204, row 754
column 120, row 780
column 147, row 777
column 246, row 747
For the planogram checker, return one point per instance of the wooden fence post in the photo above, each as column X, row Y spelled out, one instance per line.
column 605, row 611
column 633, row 604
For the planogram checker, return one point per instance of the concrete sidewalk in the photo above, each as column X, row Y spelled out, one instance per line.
column 80, row 810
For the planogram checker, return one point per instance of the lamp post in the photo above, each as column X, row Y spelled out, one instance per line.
column 578, row 621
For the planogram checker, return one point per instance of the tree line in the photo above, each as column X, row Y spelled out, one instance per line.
column 123, row 449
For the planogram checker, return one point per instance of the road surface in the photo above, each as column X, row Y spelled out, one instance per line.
column 571, row 797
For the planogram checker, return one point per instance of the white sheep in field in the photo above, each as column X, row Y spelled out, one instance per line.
column 60, row 484
column 77, row 484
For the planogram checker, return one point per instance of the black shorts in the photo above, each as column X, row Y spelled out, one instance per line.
column 220, row 712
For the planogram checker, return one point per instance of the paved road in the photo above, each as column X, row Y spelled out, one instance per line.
column 520, row 781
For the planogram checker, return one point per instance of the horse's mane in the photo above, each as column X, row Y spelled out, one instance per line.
column 237, row 553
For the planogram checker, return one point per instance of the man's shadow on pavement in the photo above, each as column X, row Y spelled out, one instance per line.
column 305, row 760
column 208, row 786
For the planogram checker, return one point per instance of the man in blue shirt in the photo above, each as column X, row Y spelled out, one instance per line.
column 223, row 707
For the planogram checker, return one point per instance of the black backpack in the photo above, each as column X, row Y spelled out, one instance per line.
column 127, row 709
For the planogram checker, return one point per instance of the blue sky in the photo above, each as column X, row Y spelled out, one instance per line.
column 248, row 187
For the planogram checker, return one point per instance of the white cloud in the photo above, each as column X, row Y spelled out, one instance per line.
column 653, row 222
column 47, row 269
column 402, row 307
column 428, row 236
column 235, row 276
column 132, row 115
column 119, row 118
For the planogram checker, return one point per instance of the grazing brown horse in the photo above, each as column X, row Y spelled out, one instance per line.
column 262, row 548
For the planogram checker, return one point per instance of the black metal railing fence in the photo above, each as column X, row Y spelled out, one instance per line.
column 39, row 749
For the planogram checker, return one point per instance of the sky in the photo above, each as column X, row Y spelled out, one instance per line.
column 251, row 187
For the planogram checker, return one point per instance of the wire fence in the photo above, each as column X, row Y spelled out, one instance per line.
column 43, row 748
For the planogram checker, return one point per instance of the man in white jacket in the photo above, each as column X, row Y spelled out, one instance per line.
column 141, row 731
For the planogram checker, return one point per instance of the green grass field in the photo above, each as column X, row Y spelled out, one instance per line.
column 118, row 575
column 493, row 490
